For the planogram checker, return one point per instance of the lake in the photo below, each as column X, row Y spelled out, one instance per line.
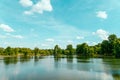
column 50, row 68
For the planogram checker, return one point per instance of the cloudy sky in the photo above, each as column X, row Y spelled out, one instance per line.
column 45, row 23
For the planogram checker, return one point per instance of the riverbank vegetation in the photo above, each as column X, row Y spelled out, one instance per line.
column 107, row 48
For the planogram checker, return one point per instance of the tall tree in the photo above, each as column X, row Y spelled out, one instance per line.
column 36, row 51
column 57, row 50
column 1, row 51
column 83, row 49
column 8, row 51
column 105, row 47
column 16, row 51
column 70, row 49
column 112, row 42
column 117, row 48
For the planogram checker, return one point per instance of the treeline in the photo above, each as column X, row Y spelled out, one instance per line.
column 110, row 47
column 25, row 52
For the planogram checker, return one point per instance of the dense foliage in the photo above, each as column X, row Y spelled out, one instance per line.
column 25, row 51
column 110, row 47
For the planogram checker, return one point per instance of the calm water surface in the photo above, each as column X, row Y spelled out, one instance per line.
column 50, row 68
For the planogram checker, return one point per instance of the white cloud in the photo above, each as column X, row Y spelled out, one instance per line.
column 14, row 36
column 26, row 3
column 102, row 14
column 50, row 40
column 79, row 37
column 18, row 36
column 6, row 28
column 102, row 34
column 44, row 45
column 63, row 33
column 28, row 12
column 40, row 7
column 70, row 41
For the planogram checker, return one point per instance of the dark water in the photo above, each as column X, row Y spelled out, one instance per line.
column 49, row 68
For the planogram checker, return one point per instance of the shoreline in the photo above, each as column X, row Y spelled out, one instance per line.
column 64, row 56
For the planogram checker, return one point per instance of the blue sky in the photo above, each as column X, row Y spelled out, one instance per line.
column 45, row 23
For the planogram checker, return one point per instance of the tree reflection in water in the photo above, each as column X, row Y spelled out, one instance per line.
column 10, row 60
column 113, row 67
column 89, row 68
column 24, row 59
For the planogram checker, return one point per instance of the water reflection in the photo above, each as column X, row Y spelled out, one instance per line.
column 57, row 59
column 24, row 59
column 113, row 67
column 10, row 60
column 69, row 68
column 36, row 59
column 116, row 76
column 70, row 59
column 84, row 60
column 15, row 60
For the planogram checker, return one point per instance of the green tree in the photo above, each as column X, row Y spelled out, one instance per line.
column 112, row 38
column 70, row 49
column 8, row 51
column 1, row 51
column 57, row 51
column 16, row 51
column 112, row 42
column 97, row 49
column 83, row 50
column 91, row 51
column 26, row 51
column 117, row 48
column 78, row 49
column 36, row 51
column 105, row 47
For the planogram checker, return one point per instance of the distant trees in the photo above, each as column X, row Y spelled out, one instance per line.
column 92, row 51
column 8, row 51
column 57, row 51
column 117, row 48
column 1, row 51
column 82, row 50
column 112, row 39
column 16, row 51
column 110, row 47
column 36, row 51
column 105, row 47
column 69, row 50
column 25, row 51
